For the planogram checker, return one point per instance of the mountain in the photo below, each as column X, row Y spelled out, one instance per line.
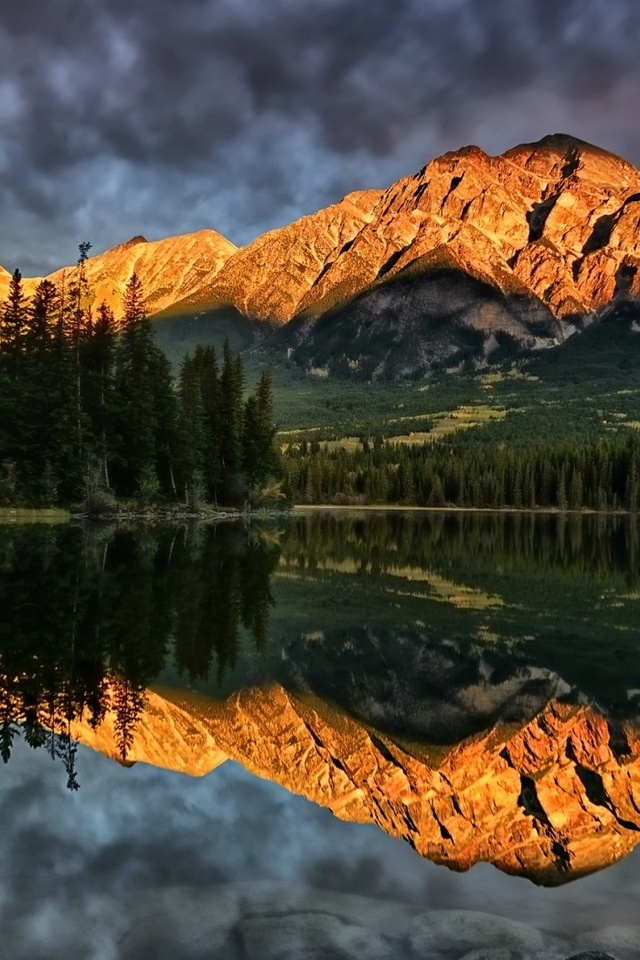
column 260, row 287
column 272, row 277
column 472, row 256
column 550, row 799
column 475, row 253
column 173, row 269
column 176, row 268
column 185, row 275
column 555, row 219
column 553, row 222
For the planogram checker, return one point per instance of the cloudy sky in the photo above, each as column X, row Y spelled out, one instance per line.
column 120, row 118
column 74, row 867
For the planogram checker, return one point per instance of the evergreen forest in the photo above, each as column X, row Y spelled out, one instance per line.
column 90, row 410
column 116, row 609
column 603, row 474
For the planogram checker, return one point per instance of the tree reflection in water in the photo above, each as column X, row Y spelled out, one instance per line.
column 91, row 616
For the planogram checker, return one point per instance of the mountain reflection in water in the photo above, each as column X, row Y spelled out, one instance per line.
column 467, row 683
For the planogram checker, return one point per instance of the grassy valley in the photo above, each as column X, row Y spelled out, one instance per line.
column 568, row 418
column 585, row 388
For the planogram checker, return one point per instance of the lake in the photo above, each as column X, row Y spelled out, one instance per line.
column 339, row 734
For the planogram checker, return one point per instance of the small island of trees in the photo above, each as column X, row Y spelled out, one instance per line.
column 90, row 412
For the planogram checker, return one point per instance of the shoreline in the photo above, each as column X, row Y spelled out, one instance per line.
column 301, row 508
column 34, row 515
column 26, row 515
column 54, row 515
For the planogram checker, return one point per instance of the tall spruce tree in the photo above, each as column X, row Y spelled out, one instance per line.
column 232, row 485
column 146, row 406
column 168, row 426
column 193, row 427
column 261, row 455
column 68, row 469
column 39, row 474
column 13, row 318
column 80, row 330
column 207, row 367
column 98, row 397
column 137, row 419
column 12, row 393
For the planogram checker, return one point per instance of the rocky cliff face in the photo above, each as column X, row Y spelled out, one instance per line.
column 551, row 799
column 444, row 318
column 173, row 269
column 470, row 248
column 270, row 278
column 556, row 219
column 553, row 222
column 176, row 268
column 548, row 232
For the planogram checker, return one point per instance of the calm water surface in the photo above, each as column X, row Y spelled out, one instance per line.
column 214, row 737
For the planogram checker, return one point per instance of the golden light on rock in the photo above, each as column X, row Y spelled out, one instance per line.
column 551, row 799
column 554, row 221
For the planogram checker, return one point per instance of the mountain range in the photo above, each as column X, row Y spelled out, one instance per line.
column 551, row 799
column 471, row 256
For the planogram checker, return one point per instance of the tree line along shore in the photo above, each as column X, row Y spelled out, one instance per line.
column 603, row 474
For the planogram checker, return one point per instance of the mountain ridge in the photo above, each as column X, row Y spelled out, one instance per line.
column 551, row 799
column 549, row 230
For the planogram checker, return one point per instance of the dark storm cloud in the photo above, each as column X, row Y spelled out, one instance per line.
column 75, row 868
column 131, row 836
column 122, row 118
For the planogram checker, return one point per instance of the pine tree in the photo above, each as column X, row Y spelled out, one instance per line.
column 137, row 417
column 67, row 470
column 268, row 461
column 575, row 490
column 231, row 424
column 41, row 317
column 561, row 495
column 406, row 489
column 13, row 318
column 12, row 388
column 168, row 425
column 251, row 443
column 436, row 497
column 207, row 367
column 632, row 496
column 193, row 429
column 134, row 313
column 38, row 474
column 259, row 455
column 79, row 331
column 98, row 398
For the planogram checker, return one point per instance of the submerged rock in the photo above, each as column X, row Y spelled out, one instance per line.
column 621, row 941
column 591, row 956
